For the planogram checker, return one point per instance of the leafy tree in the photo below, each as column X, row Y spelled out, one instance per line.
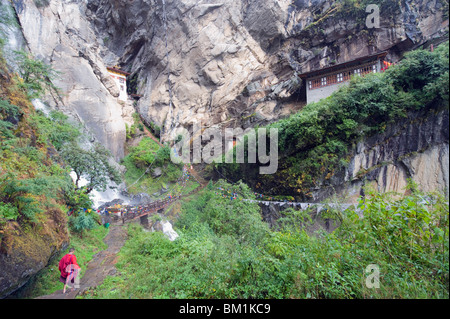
column 77, row 199
column 36, row 75
column 91, row 164
column 25, row 194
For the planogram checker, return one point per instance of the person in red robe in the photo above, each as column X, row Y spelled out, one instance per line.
column 69, row 268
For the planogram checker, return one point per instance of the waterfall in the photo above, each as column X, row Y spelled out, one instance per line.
column 169, row 231
column 14, row 40
column 102, row 198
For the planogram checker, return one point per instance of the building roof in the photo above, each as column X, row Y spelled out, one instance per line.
column 136, row 96
column 116, row 70
column 336, row 67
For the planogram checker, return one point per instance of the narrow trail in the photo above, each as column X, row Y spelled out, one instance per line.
column 101, row 266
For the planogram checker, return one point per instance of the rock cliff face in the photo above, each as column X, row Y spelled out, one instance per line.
column 58, row 33
column 236, row 63
column 415, row 148
column 23, row 253
column 218, row 62
column 226, row 63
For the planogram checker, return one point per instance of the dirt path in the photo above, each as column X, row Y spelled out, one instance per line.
column 101, row 266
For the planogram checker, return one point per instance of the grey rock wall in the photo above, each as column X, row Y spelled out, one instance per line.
column 415, row 148
column 225, row 62
column 60, row 35
column 236, row 63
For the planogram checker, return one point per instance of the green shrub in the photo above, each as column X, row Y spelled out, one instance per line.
column 82, row 222
column 8, row 212
column 36, row 75
column 55, row 129
column 42, row 3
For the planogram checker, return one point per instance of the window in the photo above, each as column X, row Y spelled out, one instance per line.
column 310, row 85
column 122, row 88
column 324, row 81
column 122, row 80
column 340, row 77
column 358, row 71
column 374, row 68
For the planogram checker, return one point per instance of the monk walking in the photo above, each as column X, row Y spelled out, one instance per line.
column 69, row 269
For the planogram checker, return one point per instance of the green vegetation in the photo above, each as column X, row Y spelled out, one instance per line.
column 7, row 18
column 55, row 129
column 142, row 159
column 42, row 3
column 156, row 130
column 35, row 161
column 131, row 131
column 225, row 250
column 36, row 75
column 32, row 180
column 314, row 143
column 92, row 164
column 83, row 222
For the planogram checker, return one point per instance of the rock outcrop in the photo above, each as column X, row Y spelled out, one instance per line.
column 415, row 148
column 236, row 63
column 58, row 33
column 218, row 62
column 24, row 252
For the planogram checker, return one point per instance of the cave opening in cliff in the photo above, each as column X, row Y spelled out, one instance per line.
column 132, row 85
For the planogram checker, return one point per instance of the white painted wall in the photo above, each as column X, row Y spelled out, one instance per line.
column 121, row 81
column 315, row 95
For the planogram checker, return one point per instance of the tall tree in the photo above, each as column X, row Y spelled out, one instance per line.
column 91, row 164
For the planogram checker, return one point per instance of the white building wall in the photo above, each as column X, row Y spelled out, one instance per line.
column 121, row 81
column 316, row 94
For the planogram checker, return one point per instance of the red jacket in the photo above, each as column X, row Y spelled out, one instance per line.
column 66, row 261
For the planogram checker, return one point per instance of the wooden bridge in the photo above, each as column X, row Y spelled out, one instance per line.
column 129, row 213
